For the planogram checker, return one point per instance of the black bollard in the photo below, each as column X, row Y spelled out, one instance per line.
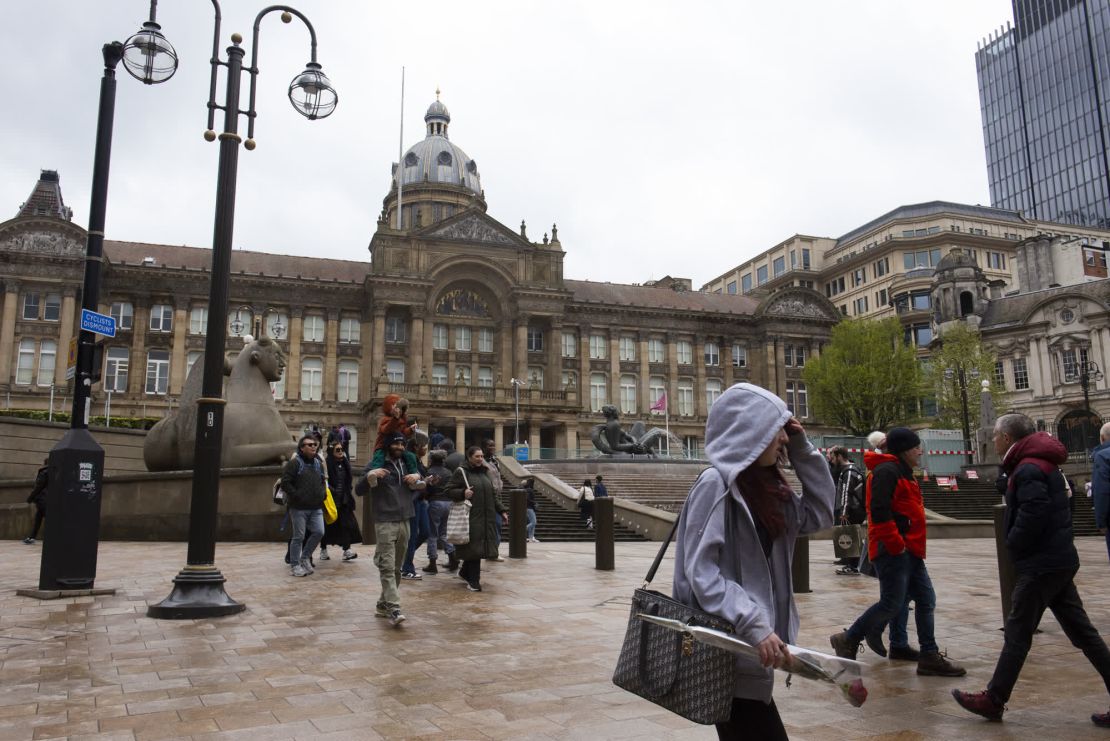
column 799, row 570
column 518, row 521
column 603, row 527
column 1005, row 565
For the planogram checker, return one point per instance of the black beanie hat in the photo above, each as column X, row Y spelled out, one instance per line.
column 901, row 439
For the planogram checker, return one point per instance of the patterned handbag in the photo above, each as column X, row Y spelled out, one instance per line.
column 458, row 520
column 678, row 673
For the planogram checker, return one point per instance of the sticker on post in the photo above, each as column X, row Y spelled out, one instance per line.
column 84, row 471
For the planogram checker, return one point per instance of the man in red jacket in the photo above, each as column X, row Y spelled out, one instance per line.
column 1039, row 540
column 896, row 547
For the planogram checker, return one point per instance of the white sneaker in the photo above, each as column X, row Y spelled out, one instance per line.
column 349, row 555
column 324, row 554
column 306, row 564
column 535, row 540
column 299, row 570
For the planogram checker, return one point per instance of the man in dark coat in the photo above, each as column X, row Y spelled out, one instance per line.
column 302, row 479
column 391, row 484
column 851, row 508
column 1100, row 483
column 1038, row 534
column 599, row 488
column 38, row 498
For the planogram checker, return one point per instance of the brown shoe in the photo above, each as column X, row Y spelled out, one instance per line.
column 844, row 646
column 934, row 665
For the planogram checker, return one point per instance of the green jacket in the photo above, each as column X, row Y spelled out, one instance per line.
column 485, row 508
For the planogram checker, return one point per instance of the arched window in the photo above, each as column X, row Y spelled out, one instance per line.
column 1078, row 430
column 967, row 303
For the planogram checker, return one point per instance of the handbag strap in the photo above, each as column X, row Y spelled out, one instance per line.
column 674, row 528
column 465, row 481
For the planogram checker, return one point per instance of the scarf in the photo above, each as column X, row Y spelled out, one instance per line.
column 764, row 491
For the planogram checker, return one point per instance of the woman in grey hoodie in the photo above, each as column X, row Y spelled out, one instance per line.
column 735, row 540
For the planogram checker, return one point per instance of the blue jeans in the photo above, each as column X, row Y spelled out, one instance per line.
column 311, row 520
column 900, row 577
column 418, row 533
column 437, row 537
column 530, row 528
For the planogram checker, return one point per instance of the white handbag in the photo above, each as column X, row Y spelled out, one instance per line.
column 458, row 520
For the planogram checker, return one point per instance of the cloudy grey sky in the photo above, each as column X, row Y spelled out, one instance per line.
column 663, row 137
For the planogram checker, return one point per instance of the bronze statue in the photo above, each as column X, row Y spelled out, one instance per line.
column 610, row 439
column 254, row 433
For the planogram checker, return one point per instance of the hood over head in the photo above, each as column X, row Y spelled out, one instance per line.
column 740, row 426
column 1038, row 445
column 871, row 459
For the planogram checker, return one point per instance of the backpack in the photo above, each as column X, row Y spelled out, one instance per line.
column 281, row 498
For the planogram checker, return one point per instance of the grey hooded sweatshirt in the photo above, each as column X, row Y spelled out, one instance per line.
column 723, row 570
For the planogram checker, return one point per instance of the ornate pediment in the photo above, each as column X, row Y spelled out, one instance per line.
column 800, row 306
column 43, row 243
column 472, row 228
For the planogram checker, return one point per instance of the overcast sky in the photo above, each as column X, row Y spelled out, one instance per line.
column 664, row 138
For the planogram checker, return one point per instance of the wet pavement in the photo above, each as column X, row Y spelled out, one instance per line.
column 529, row 657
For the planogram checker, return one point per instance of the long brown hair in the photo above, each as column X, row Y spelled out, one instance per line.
column 764, row 490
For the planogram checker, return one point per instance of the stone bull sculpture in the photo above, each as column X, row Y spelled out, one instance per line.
column 254, row 433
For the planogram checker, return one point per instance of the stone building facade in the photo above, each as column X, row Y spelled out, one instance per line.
column 468, row 319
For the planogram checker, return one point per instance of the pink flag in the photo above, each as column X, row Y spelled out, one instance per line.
column 661, row 404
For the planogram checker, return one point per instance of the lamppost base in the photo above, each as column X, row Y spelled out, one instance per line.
column 198, row 592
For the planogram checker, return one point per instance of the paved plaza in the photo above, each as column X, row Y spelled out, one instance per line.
column 530, row 657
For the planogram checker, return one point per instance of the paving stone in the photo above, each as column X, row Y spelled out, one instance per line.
column 531, row 657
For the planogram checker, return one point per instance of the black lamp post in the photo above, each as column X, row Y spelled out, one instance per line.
column 961, row 377
column 1088, row 372
column 198, row 588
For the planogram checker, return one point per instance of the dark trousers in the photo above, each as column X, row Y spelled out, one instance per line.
column 901, row 578
column 471, row 570
column 40, row 513
column 752, row 720
column 1032, row 594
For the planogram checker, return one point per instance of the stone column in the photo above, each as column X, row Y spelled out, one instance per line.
column 377, row 355
column 614, row 368
column 65, row 334
column 425, row 370
column 672, row 378
column 366, row 378
column 726, row 358
column 498, row 435
column 414, row 369
column 293, row 365
column 584, row 365
column 699, row 375
column 7, row 331
column 460, row 435
column 331, row 342
column 571, row 444
column 177, row 354
column 644, row 399
column 533, row 441
column 775, row 359
column 136, row 380
column 553, row 373
column 520, row 348
column 1040, row 369
column 505, row 341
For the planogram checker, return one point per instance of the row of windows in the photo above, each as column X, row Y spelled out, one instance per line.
column 239, row 322
column 656, row 350
column 463, row 338
column 117, row 369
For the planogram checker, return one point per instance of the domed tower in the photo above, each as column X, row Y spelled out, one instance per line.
column 960, row 291
column 436, row 179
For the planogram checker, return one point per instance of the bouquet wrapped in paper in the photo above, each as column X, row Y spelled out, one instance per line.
column 845, row 674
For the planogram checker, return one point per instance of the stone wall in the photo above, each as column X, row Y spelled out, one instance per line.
column 27, row 442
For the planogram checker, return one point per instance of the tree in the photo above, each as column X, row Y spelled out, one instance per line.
column 866, row 378
column 960, row 351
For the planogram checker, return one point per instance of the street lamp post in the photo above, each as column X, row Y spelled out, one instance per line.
column 517, row 383
column 961, row 378
column 76, row 463
column 198, row 588
column 1088, row 372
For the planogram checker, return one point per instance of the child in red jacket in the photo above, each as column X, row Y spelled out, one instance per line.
column 394, row 419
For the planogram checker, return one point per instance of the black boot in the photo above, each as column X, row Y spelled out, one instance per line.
column 452, row 561
column 431, row 567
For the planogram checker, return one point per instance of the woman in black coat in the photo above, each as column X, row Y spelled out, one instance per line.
column 344, row 531
column 471, row 481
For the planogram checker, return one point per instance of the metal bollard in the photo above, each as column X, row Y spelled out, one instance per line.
column 518, row 521
column 799, row 569
column 1005, row 565
column 603, row 527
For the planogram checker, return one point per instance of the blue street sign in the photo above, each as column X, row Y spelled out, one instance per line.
column 98, row 323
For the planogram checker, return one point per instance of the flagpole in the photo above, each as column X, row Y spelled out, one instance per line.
column 401, row 152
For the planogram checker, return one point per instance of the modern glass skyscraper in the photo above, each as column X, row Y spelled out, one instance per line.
column 1044, row 88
